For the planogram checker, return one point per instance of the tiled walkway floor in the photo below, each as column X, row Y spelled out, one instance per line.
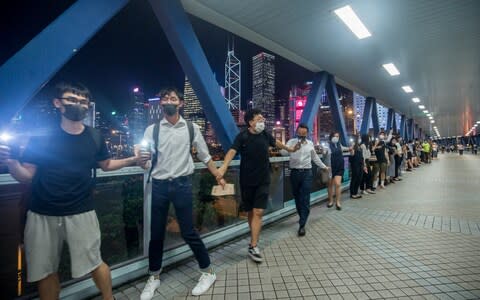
column 418, row 239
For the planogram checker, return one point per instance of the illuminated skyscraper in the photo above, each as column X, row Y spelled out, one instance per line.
column 232, row 81
column 154, row 111
column 137, row 118
column 193, row 110
column 264, row 86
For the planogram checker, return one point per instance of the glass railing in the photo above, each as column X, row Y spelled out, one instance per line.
column 122, row 201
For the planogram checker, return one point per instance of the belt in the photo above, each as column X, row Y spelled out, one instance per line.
column 173, row 178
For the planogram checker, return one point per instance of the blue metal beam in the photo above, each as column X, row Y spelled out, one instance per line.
column 390, row 118
column 337, row 114
column 376, row 126
column 25, row 73
column 403, row 129
column 410, row 128
column 187, row 48
column 367, row 114
column 313, row 101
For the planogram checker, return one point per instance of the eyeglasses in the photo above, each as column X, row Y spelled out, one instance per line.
column 75, row 100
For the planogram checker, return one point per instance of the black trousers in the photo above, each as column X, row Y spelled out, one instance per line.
column 366, row 178
column 357, row 174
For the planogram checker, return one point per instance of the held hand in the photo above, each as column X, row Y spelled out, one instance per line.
column 142, row 156
column 365, row 169
column 296, row 147
column 327, row 168
column 221, row 172
column 221, row 182
column 4, row 154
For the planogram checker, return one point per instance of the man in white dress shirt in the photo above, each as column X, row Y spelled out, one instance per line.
column 171, row 172
column 301, row 173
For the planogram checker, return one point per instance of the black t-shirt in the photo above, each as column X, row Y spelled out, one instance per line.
column 380, row 152
column 63, row 182
column 255, row 163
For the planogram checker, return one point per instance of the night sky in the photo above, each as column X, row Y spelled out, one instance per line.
column 131, row 50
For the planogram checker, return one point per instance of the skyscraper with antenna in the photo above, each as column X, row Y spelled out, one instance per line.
column 232, row 79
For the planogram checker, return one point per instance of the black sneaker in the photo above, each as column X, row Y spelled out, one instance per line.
column 301, row 231
column 254, row 254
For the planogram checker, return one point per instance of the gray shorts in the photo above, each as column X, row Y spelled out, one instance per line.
column 44, row 238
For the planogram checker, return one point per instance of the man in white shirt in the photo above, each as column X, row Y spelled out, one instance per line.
column 301, row 173
column 171, row 182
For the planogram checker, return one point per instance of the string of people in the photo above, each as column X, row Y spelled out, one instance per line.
column 58, row 166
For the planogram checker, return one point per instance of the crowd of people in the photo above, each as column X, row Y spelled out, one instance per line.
column 377, row 162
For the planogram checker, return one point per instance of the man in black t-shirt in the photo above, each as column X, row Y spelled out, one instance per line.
column 253, row 144
column 59, row 167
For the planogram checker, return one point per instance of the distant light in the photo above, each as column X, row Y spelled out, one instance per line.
column 75, row 50
column 415, row 100
column 478, row 122
column 353, row 22
column 114, row 113
column 391, row 69
column 5, row 137
column 407, row 89
column 350, row 112
column 278, row 122
column 425, row 111
column 136, row 90
column 475, row 125
column 430, row 117
column 300, row 103
column 432, row 121
column 421, row 106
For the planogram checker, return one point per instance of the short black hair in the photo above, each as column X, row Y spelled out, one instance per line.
column 303, row 125
column 76, row 88
column 365, row 139
column 168, row 90
column 250, row 114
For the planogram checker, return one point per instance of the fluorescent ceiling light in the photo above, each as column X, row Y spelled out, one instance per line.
column 430, row 117
column 407, row 89
column 478, row 122
column 415, row 100
column 353, row 22
column 475, row 125
column 391, row 69
column 421, row 106
column 425, row 111
column 432, row 121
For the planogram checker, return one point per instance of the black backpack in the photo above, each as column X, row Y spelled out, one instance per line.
column 156, row 134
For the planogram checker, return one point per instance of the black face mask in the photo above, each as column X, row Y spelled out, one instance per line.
column 301, row 137
column 75, row 112
column 170, row 109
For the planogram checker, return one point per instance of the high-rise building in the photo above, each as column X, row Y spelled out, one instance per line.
column 193, row 110
column 264, row 86
column 154, row 111
column 359, row 106
column 233, row 85
column 91, row 116
column 382, row 113
column 137, row 117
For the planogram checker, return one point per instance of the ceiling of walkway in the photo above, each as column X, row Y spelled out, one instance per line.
column 435, row 45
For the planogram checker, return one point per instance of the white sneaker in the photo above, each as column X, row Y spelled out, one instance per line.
column 150, row 287
column 204, row 283
column 254, row 254
column 364, row 192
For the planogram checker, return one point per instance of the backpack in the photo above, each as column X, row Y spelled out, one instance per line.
column 156, row 135
column 97, row 138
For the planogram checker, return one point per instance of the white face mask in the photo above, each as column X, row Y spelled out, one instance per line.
column 335, row 140
column 259, row 127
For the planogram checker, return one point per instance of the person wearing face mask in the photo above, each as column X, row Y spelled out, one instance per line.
column 382, row 156
column 253, row 145
column 301, row 173
column 59, row 167
column 358, row 168
column 171, row 170
column 334, row 154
